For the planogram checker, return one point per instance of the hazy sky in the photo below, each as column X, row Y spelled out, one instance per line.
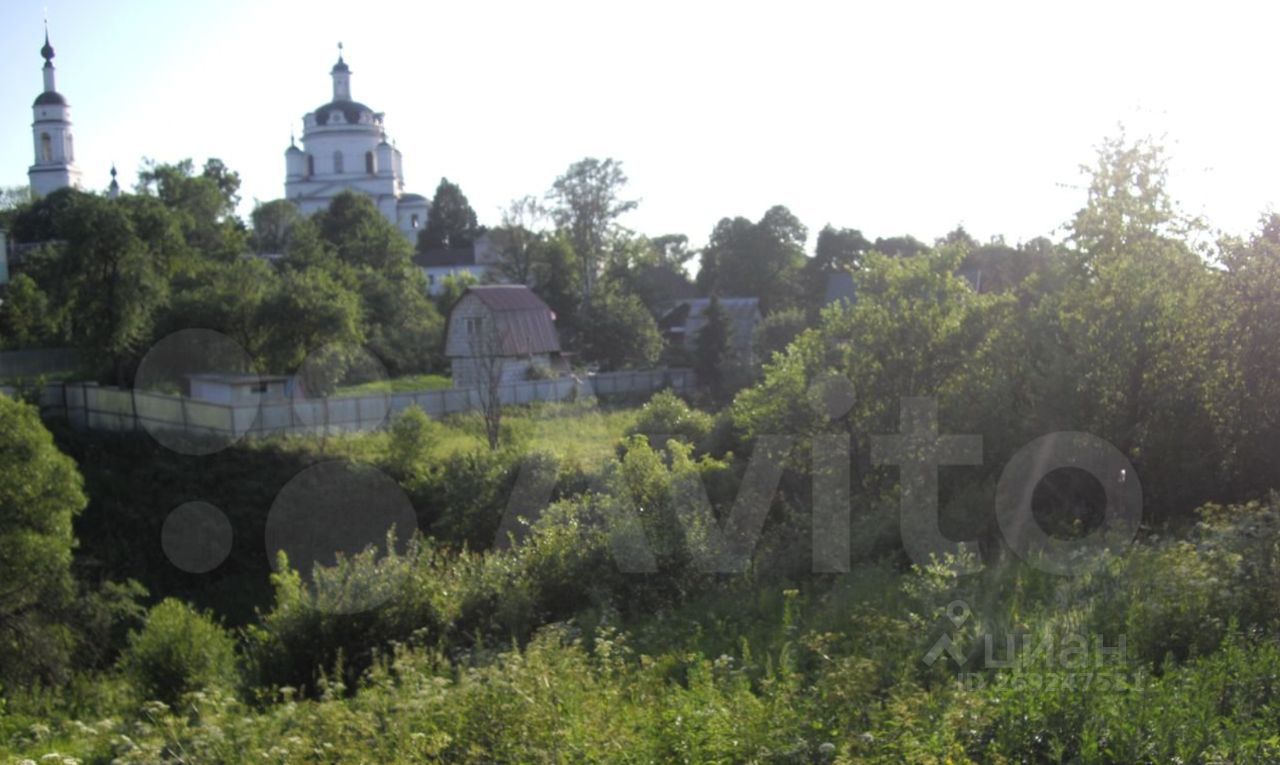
column 904, row 119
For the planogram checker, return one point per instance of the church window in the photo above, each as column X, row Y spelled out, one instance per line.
column 414, row 221
column 71, row 150
column 337, row 162
column 311, row 165
column 368, row 163
column 46, row 147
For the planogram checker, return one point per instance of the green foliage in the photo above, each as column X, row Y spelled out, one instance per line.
column 776, row 332
column 666, row 416
column 362, row 236
column 41, row 492
column 105, row 282
column 712, row 353
column 410, row 443
column 586, row 204
column 617, row 332
column 452, row 222
column 179, row 651
column 763, row 259
column 25, row 317
column 273, row 224
column 203, row 204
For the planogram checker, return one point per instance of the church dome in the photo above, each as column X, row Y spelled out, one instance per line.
column 50, row 98
column 353, row 112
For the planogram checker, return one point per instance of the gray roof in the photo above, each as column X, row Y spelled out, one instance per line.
column 350, row 109
column 688, row 317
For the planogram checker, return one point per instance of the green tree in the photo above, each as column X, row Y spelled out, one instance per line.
column 586, row 202
column 518, row 237
column 40, row 495
column 452, row 222
column 25, row 318
column 309, row 313
column 401, row 325
column 617, row 331
column 230, row 298
column 204, row 203
column 105, row 282
column 273, row 224
column 1244, row 390
column 362, row 236
column 556, row 278
column 713, row 353
column 762, row 259
column 178, row 651
column 776, row 332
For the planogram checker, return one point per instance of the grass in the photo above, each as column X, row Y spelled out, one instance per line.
column 583, row 432
column 407, row 384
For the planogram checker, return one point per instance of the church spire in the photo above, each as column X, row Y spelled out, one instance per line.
column 113, row 190
column 50, row 86
column 341, row 78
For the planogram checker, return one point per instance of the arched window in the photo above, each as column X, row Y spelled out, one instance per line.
column 46, row 147
column 414, row 220
column 337, row 162
column 311, row 165
column 71, row 150
column 368, row 163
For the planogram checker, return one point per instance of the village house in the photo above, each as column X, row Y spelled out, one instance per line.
column 479, row 260
column 501, row 332
column 682, row 323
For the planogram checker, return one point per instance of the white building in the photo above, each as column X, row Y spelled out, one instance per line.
column 479, row 260
column 345, row 147
column 55, row 165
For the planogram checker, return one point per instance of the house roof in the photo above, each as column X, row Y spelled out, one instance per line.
column 688, row 317
column 524, row 323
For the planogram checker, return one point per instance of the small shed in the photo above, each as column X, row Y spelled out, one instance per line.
column 682, row 324
column 503, row 332
column 235, row 388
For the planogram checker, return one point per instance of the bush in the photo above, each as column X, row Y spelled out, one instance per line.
column 180, row 650
column 667, row 416
column 412, row 434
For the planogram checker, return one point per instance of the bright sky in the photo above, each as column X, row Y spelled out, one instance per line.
column 890, row 117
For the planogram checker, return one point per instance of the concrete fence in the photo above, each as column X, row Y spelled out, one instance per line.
column 90, row 406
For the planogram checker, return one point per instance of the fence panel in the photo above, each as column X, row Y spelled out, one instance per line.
column 88, row 405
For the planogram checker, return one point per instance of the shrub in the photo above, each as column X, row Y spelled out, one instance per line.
column 180, row 650
column 667, row 416
column 412, row 434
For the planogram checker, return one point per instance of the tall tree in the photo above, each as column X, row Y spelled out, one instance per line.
column 204, row 202
column 273, row 224
column 362, row 236
column 713, row 352
column 587, row 201
column 105, row 281
column 41, row 492
column 518, row 238
column 452, row 222
column 617, row 331
column 762, row 259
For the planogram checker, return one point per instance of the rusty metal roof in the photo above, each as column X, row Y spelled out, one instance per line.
column 509, row 297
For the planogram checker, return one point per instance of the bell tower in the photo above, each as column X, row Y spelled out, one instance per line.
column 55, row 165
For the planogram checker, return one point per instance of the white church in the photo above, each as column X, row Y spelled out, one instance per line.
column 345, row 147
column 55, row 165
